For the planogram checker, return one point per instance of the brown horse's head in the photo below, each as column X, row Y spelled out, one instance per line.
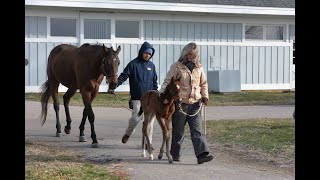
column 172, row 90
column 110, row 66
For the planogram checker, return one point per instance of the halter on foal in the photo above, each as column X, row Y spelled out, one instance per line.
column 80, row 68
column 162, row 106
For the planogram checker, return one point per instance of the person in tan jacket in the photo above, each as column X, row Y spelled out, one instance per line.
column 193, row 92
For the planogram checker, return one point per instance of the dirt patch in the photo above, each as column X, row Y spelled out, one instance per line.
column 258, row 160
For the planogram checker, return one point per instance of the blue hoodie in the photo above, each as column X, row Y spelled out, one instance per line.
column 142, row 74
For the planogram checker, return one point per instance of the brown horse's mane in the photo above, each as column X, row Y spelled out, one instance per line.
column 87, row 49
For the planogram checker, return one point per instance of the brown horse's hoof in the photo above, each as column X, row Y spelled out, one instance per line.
column 58, row 134
column 67, row 131
column 159, row 156
column 95, row 145
column 82, row 139
column 170, row 161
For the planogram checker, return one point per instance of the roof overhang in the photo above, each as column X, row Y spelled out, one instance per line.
column 162, row 6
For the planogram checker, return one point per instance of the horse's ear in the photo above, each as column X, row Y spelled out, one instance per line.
column 175, row 79
column 104, row 48
column 178, row 78
column 118, row 49
column 172, row 79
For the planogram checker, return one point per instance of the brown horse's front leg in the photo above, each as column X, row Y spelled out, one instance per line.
column 91, row 120
column 86, row 97
column 82, row 137
column 161, row 122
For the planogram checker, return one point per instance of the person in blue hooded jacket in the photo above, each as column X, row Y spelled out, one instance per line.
column 142, row 77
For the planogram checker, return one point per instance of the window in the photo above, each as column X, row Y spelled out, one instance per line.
column 127, row 29
column 264, row 32
column 97, row 29
column 274, row 32
column 254, row 32
column 63, row 27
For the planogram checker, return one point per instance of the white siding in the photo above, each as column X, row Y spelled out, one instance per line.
column 266, row 64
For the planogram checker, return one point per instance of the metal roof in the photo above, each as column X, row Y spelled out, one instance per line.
column 256, row 3
column 176, row 6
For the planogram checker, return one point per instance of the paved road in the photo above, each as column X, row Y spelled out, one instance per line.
column 110, row 125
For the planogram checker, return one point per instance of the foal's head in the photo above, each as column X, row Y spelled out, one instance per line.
column 172, row 90
column 111, row 63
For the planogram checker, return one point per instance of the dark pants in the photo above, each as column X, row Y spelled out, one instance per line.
column 179, row 120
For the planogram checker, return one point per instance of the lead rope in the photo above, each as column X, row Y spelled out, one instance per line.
column 121, row 102
column 204, row 114
column 180, row 109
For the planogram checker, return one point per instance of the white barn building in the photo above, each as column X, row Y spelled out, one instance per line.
column 255, row 37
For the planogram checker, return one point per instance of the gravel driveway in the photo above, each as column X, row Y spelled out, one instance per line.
column 110, row 124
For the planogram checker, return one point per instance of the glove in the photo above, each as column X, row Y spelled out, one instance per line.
column 204, row 100
column 111, row 91
column 130, row 104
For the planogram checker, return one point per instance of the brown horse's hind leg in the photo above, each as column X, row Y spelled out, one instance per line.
column 66, row 99
column 54, row 93
column 143, row 145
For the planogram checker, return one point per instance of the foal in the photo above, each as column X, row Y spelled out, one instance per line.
column 162, row 106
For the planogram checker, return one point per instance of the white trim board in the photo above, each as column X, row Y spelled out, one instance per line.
column 162, row 6
column 265, row 86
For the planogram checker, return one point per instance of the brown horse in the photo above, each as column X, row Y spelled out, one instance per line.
column 162, row 106
column 80, row 68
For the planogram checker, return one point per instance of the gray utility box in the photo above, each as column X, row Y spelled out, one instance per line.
column 224, row 81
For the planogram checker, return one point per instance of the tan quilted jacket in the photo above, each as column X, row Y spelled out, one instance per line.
column 193, row 85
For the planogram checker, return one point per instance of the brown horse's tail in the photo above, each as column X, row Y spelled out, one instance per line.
column 141, row 111
column 45, row 95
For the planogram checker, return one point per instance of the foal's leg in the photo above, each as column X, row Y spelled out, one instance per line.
column 86, row 97
column 66, row 99
column 55, row 97
column 168, row 134
column 143, row 145
column 145, row 132
column 164, row 135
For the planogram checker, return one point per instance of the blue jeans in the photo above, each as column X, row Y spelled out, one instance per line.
column 179, row 120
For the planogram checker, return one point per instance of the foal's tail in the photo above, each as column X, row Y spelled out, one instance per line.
column 45, row 95
column 141, row 111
